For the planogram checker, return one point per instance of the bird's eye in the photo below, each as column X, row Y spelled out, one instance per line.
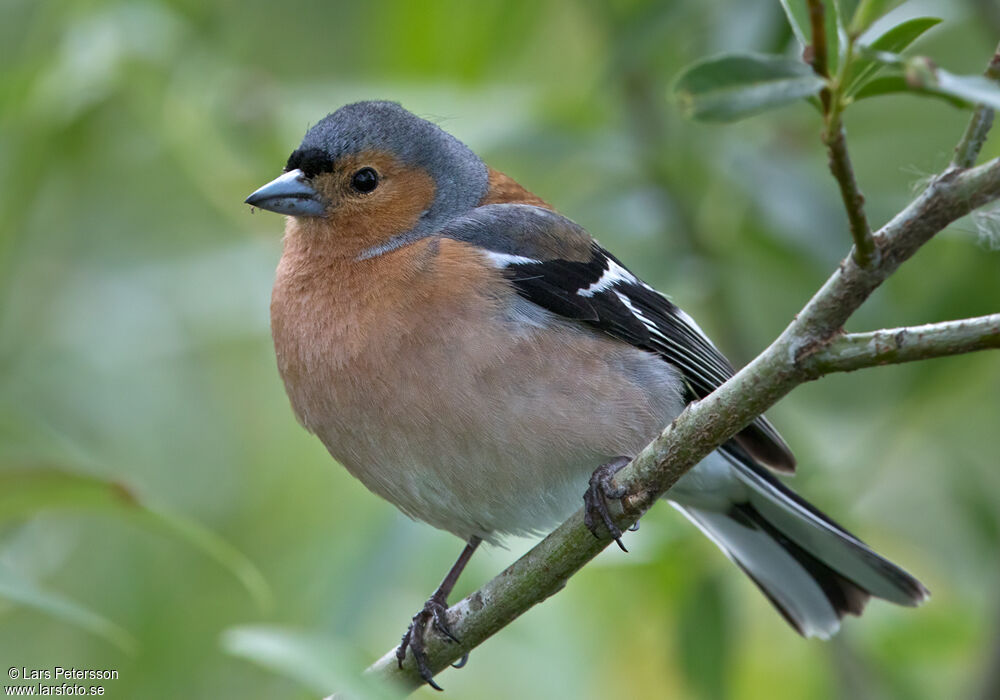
column 365, row 180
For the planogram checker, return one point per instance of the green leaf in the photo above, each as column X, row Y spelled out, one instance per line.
column 922, row 77
column 730, row 87
column 903, row 34
column 868, row 11
column 22, row 591
column 894, row 41
column 798, row 18
column 27, row 491
column 319, row 663
column 841, row 10
column 847, row 8
column 894, row 84
column 976, row 89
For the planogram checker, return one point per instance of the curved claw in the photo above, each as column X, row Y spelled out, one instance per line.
column 438, row 612
column 596, row 499
column 434, row 611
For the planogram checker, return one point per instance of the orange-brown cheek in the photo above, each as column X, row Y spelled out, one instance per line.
column 361, row 221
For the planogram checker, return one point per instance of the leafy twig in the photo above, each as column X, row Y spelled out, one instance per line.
column 979, row 125
column 835, row 139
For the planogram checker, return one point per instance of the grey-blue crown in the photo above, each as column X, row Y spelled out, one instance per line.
column 459, row 175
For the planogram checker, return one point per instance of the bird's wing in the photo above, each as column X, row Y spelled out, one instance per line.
column 555, row 264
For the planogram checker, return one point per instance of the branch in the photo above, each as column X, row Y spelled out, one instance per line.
column 854, row 202
column 979, row 125
column 835, row 138
column 817, row 57
column 897, row 345
column 706, row 424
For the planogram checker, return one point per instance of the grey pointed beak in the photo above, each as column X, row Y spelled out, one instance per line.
column 289, row 194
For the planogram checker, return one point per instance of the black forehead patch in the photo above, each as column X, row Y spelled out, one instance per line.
column 311, row 161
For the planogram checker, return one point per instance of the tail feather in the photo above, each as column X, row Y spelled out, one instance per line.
column 811, row 569
column 792, row 588
column 843, row 595
column 816, row 533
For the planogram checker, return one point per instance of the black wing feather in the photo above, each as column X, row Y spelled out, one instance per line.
column 551, row 286
column 557, row 265
column 627, row 309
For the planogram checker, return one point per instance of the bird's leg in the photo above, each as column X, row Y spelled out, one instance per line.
column 595, row 500
column 435, row 609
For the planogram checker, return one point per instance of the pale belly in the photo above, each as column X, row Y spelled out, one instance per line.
column 490, row 436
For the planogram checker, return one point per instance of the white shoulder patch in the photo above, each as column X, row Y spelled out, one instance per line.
column 614, row 273
column 506, row 259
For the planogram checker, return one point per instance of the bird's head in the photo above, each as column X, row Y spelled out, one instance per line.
column 375, row 169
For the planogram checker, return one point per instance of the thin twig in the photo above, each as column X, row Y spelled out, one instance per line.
column 854, row 201
column 892, row 346
column 704, row 425
column 816, row 53
column 979, row 125
column 835, row 139
column 817, row 56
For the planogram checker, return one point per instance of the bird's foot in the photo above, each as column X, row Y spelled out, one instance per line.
column 595, row 499
column 435, row 611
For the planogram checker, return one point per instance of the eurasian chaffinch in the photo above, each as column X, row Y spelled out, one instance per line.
column 480, row 361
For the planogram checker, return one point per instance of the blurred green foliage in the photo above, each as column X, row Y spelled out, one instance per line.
column 135, row 353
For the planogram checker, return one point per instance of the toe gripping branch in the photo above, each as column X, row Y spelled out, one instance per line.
column 435, row 610
column 595, row 499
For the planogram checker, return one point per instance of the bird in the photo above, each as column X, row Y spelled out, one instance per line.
column 480, row 361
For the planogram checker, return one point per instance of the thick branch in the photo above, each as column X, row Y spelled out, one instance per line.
column 706, row 424
column 979, row 125
column 897, row 345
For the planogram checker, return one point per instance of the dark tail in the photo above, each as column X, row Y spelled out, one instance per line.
column 810, row 568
